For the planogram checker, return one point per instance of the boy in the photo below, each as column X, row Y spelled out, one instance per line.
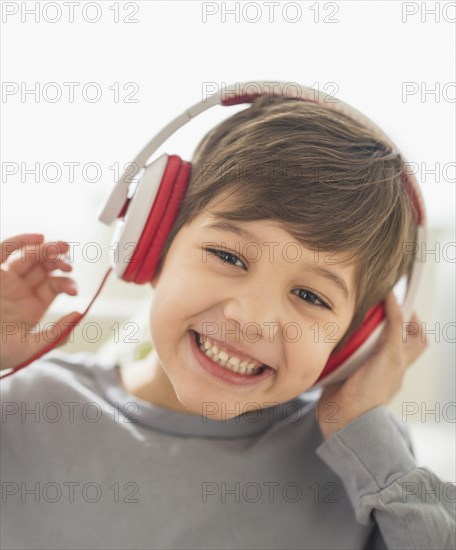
column 174, row 451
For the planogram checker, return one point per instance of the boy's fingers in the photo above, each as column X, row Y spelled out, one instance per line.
column 45, row 255
column 35, row 276
column 394, row 320
column 40, row 272
column 18, row 241
column 54, row 331
column 52, row 286
column 65, row 324
column 415, row 342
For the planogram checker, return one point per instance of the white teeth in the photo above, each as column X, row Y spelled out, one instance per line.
column 223, row 359
column 223, row 356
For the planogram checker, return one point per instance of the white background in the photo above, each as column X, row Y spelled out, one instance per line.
column 172, row 54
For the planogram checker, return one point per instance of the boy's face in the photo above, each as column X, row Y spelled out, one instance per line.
column 262, row 304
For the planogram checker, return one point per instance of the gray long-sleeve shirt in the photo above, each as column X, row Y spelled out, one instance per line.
column 86, row 465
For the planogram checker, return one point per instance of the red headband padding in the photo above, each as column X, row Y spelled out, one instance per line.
column 144, row 261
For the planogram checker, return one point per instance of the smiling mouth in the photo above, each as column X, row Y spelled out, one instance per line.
column 228, row 361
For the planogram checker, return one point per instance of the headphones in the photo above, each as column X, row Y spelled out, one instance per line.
column 145, row 218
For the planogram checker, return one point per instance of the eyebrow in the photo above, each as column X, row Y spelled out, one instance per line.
column 243, row 233
column 230, row 227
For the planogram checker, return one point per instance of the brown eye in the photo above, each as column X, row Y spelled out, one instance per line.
column 224, row 257
column 313, row 300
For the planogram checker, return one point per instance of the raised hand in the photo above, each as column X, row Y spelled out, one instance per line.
column 27, row 289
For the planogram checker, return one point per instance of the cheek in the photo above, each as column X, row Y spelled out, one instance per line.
column 175, row 301
column 307, row 356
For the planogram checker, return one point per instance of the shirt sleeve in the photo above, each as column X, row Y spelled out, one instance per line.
column 411, row 506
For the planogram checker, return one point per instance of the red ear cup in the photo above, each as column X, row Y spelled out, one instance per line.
column 144, row 260
column 371, row 321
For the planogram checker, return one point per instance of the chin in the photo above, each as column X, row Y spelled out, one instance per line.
column 211, row 409
column 187, row 399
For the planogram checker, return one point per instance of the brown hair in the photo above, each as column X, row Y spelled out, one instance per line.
column 323, row 177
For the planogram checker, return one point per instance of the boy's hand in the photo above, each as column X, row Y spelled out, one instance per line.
column 379, row 379
column 26, row 291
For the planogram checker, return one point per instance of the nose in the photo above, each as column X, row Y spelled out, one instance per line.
column 255, row 313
